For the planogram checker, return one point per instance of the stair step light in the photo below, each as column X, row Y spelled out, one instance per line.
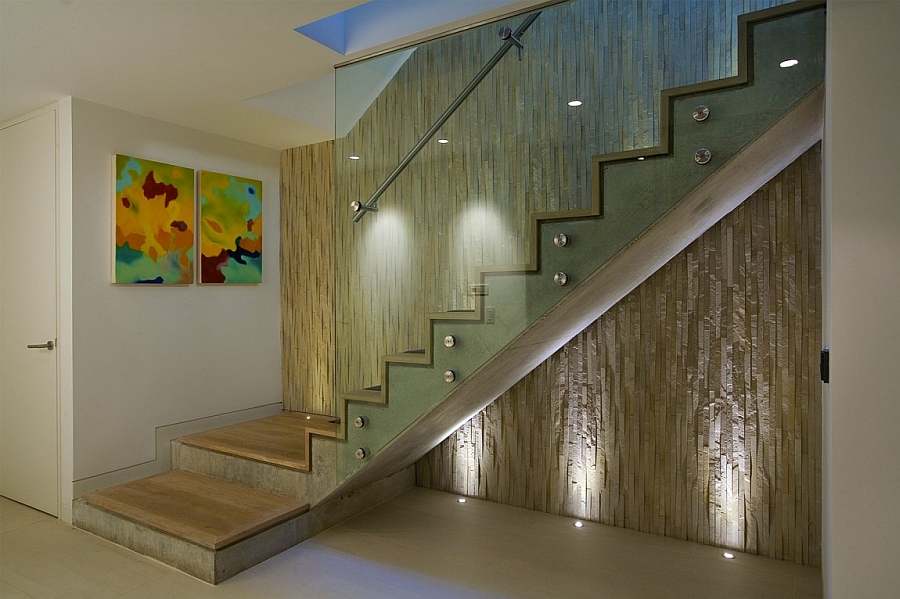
column 449, row 376
column 360, row 453
column 359, row 422
column 561, row 240
column 561, row 278
column 449, row 341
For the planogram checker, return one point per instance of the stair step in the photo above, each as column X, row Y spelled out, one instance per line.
column 206, row 511
column 206, row 527
column 370, row 394
column 282, row 440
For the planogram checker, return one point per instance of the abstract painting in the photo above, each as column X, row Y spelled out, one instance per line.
column 153, row 222
column 230, row 229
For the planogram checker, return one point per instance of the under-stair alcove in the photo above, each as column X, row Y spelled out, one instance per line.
column 692, row 408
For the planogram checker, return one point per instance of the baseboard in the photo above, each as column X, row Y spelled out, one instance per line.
column 65, row 513
column 164, row 437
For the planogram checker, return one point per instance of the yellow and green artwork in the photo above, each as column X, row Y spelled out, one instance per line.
column 153, row 222
column 230, row 229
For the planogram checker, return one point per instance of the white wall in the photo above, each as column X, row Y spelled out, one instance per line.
column 862, row 403
column 149, row 356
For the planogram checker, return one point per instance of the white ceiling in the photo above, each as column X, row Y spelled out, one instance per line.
column 191, row 62
column 232, row 67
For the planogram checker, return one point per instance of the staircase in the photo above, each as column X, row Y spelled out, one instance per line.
column 240, row 494
column 648, row 205
column 231, row 501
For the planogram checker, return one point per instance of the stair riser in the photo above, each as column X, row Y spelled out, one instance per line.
column 310, row 486
column 207, row 565
column 257, row 475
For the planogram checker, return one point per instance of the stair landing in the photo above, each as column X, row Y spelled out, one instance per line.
column 282, row 439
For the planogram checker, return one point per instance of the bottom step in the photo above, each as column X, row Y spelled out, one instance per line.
column 209, row 528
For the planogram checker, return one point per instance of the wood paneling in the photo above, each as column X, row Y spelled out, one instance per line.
column 692, row 408
column 307, row 278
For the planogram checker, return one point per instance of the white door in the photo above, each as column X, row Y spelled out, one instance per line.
column 29, row 454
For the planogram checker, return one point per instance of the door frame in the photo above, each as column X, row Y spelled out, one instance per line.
column 62, row 111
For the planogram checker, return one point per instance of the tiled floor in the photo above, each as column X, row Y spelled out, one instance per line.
column 423, row 544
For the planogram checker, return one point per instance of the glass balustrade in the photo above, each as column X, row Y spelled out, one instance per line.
column 579, row 79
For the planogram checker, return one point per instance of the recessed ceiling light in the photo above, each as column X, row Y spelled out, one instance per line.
column 443, row 140
column 353, row 157
column 461, row 500
column 728, row 555
column 309, row 417
column 788, row 63
column 575, row 103
column 579, row 524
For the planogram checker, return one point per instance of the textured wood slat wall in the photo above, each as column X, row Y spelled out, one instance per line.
column 692, row 408
column 307, row 278
column 515, row 148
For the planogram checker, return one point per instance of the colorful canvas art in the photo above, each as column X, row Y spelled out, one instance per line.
column 230, row 229
column 153, row 222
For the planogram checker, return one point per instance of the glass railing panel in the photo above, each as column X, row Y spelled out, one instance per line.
column 515, row 147
column 387, row 267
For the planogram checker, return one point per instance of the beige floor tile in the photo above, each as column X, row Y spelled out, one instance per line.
column 8, row 591
column 52, row 559
column 14, row 515
column 420, row 544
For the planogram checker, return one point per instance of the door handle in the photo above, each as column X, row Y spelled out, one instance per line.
column 49, row 345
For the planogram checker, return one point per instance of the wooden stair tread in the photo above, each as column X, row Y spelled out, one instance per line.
column 208, row 512
column 282, row 439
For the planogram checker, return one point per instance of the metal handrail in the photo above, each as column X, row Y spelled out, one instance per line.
column 509, row 42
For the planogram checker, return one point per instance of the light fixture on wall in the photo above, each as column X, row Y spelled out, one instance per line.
column 353, row 157
column 574, row 103
column 578, row 524
column 790, row 62
column 728, row 555
column 443, row 140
